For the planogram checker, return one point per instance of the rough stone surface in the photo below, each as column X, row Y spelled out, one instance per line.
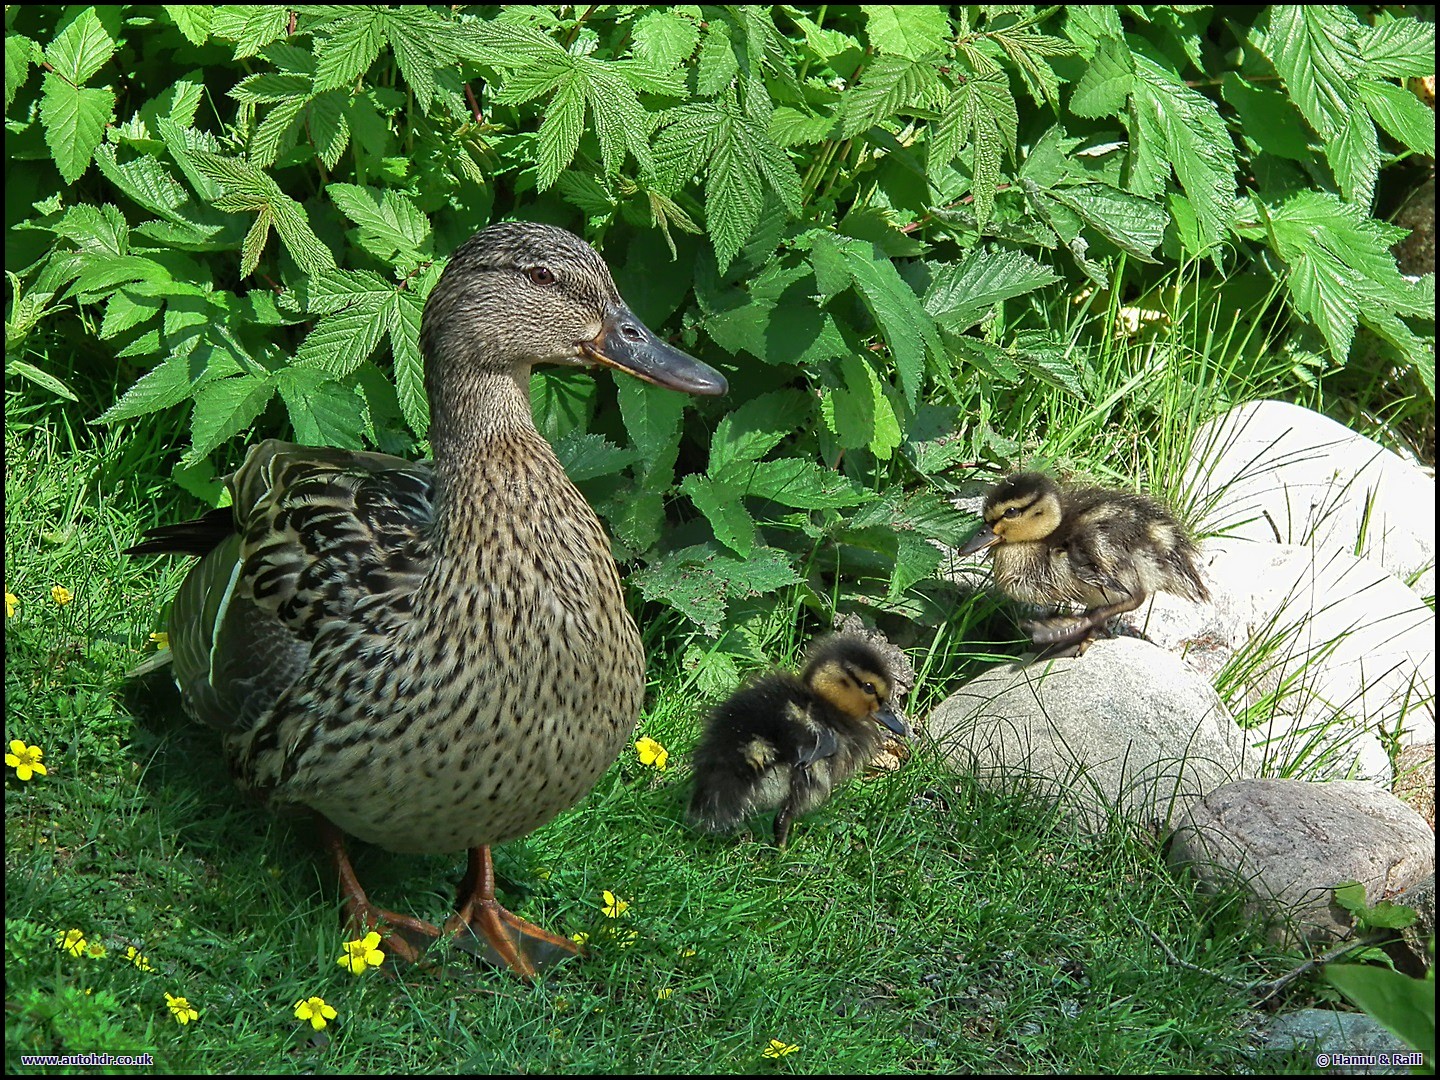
column 1273, row 471
column 1415, row 780
column 1418, row 935
column 1329, row 634
column 1125, row 727
column 1292, row 842
column 1336, row 1033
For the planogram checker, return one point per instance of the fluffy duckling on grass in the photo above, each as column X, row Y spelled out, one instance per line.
column 784, row 743
column 1104, row 550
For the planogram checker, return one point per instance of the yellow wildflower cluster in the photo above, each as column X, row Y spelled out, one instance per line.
column 314, row 1010
column 25, row 760
column 652, row 753
column 362, row 953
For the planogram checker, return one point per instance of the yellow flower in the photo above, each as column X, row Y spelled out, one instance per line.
column 61, row 595
column 181, row 1009
column 581, row 938
column 161, row 639
column 362, row 953
column 665, row 993
column 684, row 952
column 134, row 956
column 11, row 600
column 25, row 760
column 652, row 753
column 96, row 950
column 778, row 1049
column 614, row 906
column 315, row 1010
column 72, row 941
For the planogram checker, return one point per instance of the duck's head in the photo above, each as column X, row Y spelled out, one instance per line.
column 853, row 677
column 520, row 293
column 1021, row 508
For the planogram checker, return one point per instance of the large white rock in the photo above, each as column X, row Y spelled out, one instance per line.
column 1318, row 635
column 1125, row 727
column 1274, row 471
column 1290, row 843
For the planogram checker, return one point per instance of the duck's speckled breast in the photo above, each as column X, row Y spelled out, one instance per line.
column 510, row 687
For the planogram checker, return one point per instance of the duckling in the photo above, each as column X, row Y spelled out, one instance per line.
column 1107, row 550
column 432, row 656
column 784, row 743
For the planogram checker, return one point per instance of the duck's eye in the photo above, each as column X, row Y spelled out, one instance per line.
column 869, row 688
column 1012, row 512
column 541, row 275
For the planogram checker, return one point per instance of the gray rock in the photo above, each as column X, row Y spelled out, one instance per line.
column 1125, row 727
column 1271, row 471
column 1291, row 843
column 1415, row 780
column 1326, row 635
column 1337, row 1035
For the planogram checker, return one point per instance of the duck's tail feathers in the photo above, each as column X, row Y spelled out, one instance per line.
column 196, row 537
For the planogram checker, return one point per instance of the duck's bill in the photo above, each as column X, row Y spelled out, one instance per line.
column 626, row 344
column 887, row 716
column 983, row 540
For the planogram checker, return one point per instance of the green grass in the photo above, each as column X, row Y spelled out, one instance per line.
column 917, row 922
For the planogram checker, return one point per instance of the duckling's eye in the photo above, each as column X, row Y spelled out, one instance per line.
column 541, row 275
column 869, row 688
column 1012, row 512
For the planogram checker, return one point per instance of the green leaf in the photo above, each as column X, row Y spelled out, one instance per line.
column 913, row 31
column 323, row 412
column 665, row 39
column 1400, row 113
column 328, row 128
column 652, row 418
column 757, row 427
column 790, row 127
column 795, row 482
column 890, row 85
column 586, row 455
column 250, row 26
column 982, row 113
column 81, row 49
column 1355, row 157
column 1399, row 49
column 732, row 195
column 717, row 66
column 74, row 120
column 1133, row 224
column 1268, row 118
column 43, row 379
column 20, row 55
column 162, row 386
column 390, row 227
column 1404, row 1006
column 1313, row 48
column 915, row 560
column 697, row 580
column 1107, row 81
column 193, row 20
column 858, row 411
column 351, row 48
column 409, row 306
column 224, row 408
column 903, row 322
column 962, row 293
column 560, row 131
column 720, row 503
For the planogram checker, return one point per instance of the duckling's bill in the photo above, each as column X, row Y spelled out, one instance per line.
column 983, row 540
column 888, row 717
column 627, row 344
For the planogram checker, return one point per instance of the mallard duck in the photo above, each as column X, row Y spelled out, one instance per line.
column 1105, row 550
column 432, row 656
column 784, row 743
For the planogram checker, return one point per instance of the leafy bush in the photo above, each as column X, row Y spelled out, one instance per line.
column 243, row 208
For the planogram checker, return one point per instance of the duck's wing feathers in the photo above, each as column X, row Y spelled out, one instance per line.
column 316, row 535
column 816, row 744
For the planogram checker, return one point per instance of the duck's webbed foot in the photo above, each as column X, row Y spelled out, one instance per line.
column 482, row 927
column 1062, row 635
column 402, row 937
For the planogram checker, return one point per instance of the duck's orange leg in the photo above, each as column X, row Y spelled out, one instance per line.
column 401, row 935
column 521, row 945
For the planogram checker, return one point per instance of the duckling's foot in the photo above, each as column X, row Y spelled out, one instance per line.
column 503, row 937
column 1062, row 636
column 403, row 937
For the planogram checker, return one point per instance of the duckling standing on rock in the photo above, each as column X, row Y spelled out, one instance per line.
column 1106, row 550
column 785, row 743
column 432, row 657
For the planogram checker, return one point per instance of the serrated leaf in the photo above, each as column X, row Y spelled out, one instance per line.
column 756, row 428
column 253, row 246
column 193, row 20
column 962, row 293
column 162, row 386
column 652, row 418
column 732, row 196
column 665, row 39
column 790, row 127
column 421, row 42
column 20, row 55
column 560, row 131
column 1131, row 223
column 390, row 227
column 1313, row 48
column 1106, row 83
column 350, row 49
column 1401, row 114
column 250, row 26
column 323, row 412
column 890, row 85
column 909, row 30
column 329, row 130
column 224, row 408
column 1268, row 118
column 125, row 311
column 1355, row 156
column 74, row 119
column 903, row 322
column 915, row 560
column 409, row 361
column 1399, row 49
column 716, row 66
column 1403, row 1006
column 586, row 455
column 795, row 482
column 721, row 505
column 81, row 49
